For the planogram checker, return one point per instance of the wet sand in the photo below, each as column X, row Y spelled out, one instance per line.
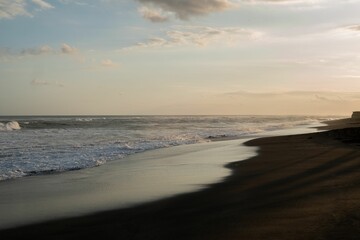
column 298, row 187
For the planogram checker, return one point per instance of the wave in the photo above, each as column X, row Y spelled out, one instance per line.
column 84, row 119
column 24, row 171
column 63, row 123
column 13, row 125
column 71, row 143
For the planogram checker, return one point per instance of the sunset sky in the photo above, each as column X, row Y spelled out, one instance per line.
column 179, row 57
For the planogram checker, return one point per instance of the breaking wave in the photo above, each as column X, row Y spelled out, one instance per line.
column 13, row 125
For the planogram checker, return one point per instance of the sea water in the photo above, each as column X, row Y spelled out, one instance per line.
column 43, row 145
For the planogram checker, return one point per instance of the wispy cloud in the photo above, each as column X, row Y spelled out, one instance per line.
column 37, row 51
column 42, row 4
column 13, row 8
column 354, row 27
column 350, row 30
column 282, row 2
column 296, row 5
column 7, row 54
column 345, row 32
column 38, row 82
column 103, row 65
column 186, row 9
column 153, row 14
column 77, row 2
column 108, row 63
column 199, row 36
column 67, row 49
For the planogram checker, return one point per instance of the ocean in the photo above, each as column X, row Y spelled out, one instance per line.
column 44, row 145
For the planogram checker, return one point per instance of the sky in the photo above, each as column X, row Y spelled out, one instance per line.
column 179, row 57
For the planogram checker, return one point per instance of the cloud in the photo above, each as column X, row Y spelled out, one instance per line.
column 282, row 1
column 151, row 43
column 295, row 5
column 79, row 2
column 102, row 65
column 348, row 31
column 42, row 4
column 12, row 8
column 67, row 49
column 354, row 27
column 199, row 36
column 153, row 15
column 7, row 54
column 37, row 51
column 299, row 5
column 108, row 63
column 185, row 9
column 38, row 82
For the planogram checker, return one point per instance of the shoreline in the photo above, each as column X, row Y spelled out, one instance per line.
column 132, row 181
column 308, row 191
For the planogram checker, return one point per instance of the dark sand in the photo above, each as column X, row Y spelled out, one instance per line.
column 298, row 187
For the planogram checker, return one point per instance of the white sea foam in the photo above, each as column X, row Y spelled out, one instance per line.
column 9, row 126
column 84, row 119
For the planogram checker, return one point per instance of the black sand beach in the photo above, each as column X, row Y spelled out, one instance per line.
column 298, row 187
